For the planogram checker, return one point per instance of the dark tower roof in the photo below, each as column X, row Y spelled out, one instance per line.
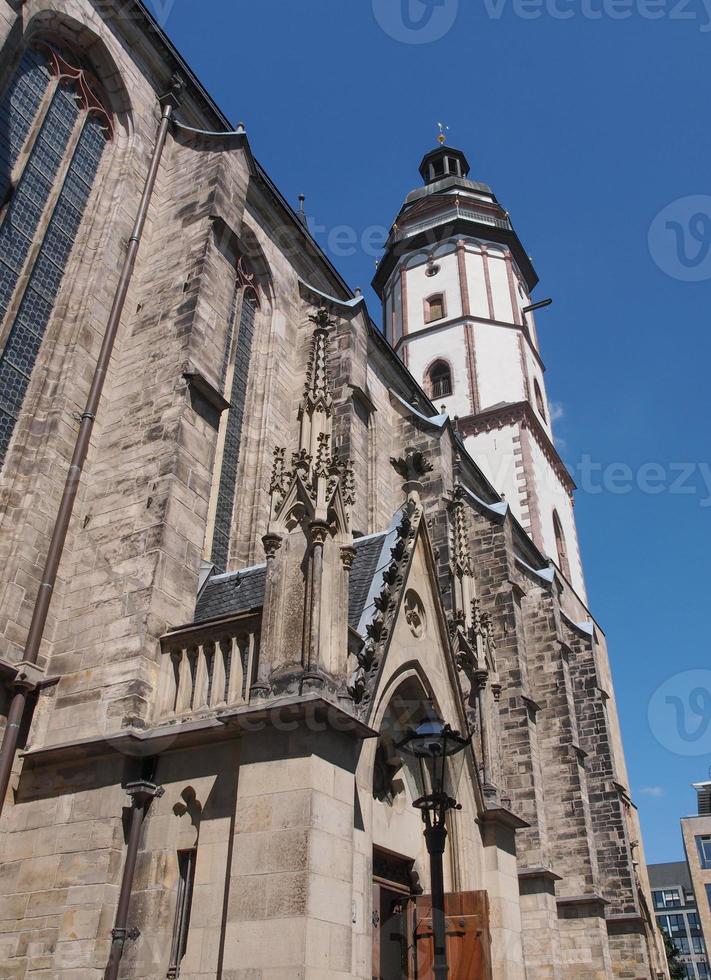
column 444, row 161
column 449, row 204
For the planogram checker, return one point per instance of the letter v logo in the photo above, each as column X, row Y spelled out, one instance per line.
column 162, row 9
column 495, row 8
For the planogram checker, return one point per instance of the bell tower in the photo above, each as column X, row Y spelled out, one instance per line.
column 455, row 283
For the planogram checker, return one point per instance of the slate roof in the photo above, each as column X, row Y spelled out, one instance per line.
column 239, row 592
column 232, row 593
column 364, row 568
column 671, row 873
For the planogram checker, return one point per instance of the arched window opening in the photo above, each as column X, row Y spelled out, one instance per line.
column 540, row 404
column 440, row 380
column 57, row 128
column 435, row 308
column 560, row 545
column 235, row 376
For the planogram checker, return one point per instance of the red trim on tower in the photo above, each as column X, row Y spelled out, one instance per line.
column 524, row 367
column 463, row 283
column 403, row 304
column 487, row 280
column 471, row 368
column 512, row 289
column 534, row 507
column 524, row 413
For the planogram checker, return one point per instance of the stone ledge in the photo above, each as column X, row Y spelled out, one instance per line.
column 526, row 874
column 592, row 899
column 623, row 923
column 502, row 815
column 205, row 399
column 280, row 715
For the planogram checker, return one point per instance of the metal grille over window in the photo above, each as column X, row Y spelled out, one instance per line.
column 440, row 380
column 233, row 432
column 25, row 217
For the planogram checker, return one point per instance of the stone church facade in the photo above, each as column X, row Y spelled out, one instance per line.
column 292, row 534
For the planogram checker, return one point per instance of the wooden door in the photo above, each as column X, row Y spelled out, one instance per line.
column 390, row 933
column 468, row 937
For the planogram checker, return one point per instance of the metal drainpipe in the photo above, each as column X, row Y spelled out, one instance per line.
column 141, row 793
column 81, row 448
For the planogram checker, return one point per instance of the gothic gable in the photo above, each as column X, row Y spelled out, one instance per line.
column 402, row 626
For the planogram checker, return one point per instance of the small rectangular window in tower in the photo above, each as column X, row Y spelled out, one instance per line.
column 435, row 308
column 181, row 925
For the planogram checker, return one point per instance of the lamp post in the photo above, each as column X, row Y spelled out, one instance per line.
column 432, row 747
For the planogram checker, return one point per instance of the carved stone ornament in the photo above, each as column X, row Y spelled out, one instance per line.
column 460, row 537
column 348, row 556
column 415, row 615
column 272, row 543
column 317, row 388
column 369, row 654
column 482, row 626
column 413, row 465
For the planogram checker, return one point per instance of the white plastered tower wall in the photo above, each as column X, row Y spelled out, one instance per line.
column 444, row 260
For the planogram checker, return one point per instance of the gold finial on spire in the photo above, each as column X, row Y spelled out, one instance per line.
column 442, row 138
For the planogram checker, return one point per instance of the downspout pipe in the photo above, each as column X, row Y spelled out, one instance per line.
column 81, row 448
column 141, row 793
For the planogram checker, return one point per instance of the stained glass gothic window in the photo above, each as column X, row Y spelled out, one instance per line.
column 52, row 119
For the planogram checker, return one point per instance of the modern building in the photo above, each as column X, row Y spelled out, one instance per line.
column 245, row 548
column 677, row 914
column 696, row 834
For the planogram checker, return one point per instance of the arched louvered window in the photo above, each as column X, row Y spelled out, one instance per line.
column 440, row 380
column 53, row 131
column 560, row 545
column 235, row 374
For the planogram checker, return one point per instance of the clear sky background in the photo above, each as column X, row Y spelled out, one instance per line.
column 587, row 127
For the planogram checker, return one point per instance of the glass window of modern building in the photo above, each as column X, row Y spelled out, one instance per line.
column 677, row 915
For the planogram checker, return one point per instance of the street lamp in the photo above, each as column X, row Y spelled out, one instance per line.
column 435, row 751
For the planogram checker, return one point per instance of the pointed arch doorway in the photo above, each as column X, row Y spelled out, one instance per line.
column 403, row 947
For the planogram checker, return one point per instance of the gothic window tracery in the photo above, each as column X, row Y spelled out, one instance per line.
column 55, row 128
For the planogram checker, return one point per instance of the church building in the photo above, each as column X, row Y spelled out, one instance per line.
column 252, row 538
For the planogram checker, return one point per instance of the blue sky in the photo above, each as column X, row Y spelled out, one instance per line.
column 588, row 118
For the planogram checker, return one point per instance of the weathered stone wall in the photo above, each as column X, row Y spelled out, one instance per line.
column 285, row 865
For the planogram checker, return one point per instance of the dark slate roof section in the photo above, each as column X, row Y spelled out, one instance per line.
column 667, row 875
column 231, row 594
column 364, row 568
column 238, row 592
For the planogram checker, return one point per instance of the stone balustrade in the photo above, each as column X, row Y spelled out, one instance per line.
column 205, row 669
